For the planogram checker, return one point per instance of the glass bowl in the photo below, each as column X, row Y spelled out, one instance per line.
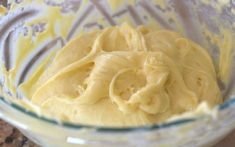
column 30, row 20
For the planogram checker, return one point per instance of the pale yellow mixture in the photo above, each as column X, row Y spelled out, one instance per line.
column 125, row 76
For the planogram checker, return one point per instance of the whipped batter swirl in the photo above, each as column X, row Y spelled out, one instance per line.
column 122, row 76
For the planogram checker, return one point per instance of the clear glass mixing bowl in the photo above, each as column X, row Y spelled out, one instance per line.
column 187, row 17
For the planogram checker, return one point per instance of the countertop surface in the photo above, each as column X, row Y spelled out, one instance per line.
column 11, row 137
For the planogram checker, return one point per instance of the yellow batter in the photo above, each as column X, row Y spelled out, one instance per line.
column 122, row 76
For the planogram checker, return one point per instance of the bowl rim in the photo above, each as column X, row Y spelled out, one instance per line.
column 226, row 105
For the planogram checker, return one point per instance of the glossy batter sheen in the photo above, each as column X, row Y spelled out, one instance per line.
column 122, row 76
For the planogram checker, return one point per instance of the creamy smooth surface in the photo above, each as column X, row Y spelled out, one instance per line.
column 122, row 76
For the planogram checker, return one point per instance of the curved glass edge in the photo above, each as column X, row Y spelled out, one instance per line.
column 227, row 103
column 17, row 107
